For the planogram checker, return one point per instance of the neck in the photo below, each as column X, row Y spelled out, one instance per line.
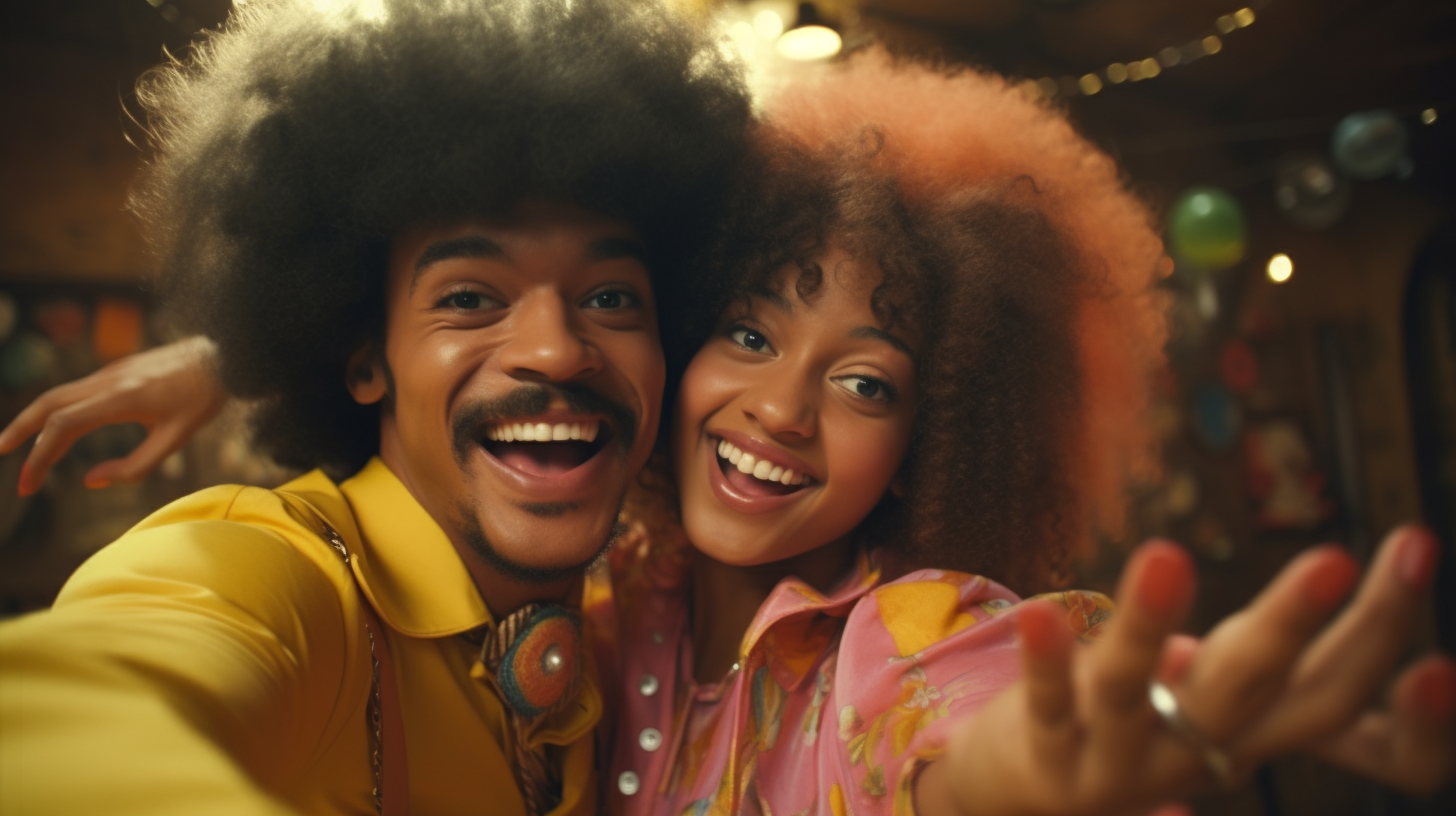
column 726, row 598
column 503, row 594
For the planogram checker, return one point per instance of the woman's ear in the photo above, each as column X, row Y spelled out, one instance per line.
column 365, row 376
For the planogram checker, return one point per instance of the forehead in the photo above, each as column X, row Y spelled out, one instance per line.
column 560, row 236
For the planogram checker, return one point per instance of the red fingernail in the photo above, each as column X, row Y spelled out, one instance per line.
column 1331, row 582
column 1417, row 560
column 1167, row 580
column 1436, row 691
column 97, row 484
column 24, row 488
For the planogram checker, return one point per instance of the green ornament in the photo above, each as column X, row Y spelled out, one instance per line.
column 1206, row 229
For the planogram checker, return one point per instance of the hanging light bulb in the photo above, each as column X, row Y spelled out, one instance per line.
column 809, row 38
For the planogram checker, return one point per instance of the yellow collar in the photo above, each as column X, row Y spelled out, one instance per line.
column 407, row 567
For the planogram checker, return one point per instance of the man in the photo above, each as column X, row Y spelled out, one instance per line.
column 433, row 238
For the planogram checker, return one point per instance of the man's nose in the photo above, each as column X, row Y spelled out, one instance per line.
column 547, row 342
column 784, row 401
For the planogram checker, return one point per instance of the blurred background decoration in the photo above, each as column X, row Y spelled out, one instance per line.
column 1300, row 153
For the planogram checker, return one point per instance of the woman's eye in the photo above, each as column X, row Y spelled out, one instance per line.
column 611, row 299
column 868, row 387
column 749, row 339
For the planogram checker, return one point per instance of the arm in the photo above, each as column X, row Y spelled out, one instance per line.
column 190, row 668
column 1077, row 735
column 171, row 390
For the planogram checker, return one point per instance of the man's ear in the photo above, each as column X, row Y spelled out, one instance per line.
column 365, row 376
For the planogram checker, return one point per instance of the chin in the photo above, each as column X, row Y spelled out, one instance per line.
column 546, row 544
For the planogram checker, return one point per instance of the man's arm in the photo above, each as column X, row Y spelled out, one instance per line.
column 193, row 667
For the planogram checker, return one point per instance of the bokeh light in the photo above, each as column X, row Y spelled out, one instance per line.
column 1280, row 268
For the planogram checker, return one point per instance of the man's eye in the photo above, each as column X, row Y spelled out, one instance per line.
column 868, row 387
column 465, row 301
column 611, row 299
column 749, row 339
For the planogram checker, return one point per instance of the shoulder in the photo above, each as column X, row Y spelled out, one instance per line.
column 244, row 545
column 928, row 607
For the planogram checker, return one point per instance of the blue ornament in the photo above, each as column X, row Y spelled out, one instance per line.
column 1369, row 144
column 1217, row 415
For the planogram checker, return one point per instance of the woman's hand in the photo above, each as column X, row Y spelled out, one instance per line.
column 1078, row 736
column 171, row 390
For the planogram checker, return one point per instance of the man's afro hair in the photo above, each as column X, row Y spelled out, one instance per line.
column 289, row 147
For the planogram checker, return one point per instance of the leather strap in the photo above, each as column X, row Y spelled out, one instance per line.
column 392, row 796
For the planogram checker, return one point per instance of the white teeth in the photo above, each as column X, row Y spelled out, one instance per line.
column 543, row 432
column 759, row 468
column 745, row 463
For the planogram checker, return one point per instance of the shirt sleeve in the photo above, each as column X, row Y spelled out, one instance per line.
column 190, row 667
column 919, row 656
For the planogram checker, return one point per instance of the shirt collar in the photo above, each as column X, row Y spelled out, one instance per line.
column 797, row 622
column 405, row 564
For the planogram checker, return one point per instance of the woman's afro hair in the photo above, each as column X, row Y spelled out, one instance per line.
column 1047, row 331
column 288, row 149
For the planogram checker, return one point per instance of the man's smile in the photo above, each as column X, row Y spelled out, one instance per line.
column 539, row 446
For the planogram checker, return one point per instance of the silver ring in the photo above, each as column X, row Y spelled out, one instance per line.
column 1214, row 758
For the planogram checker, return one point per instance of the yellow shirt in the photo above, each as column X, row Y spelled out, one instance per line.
column 213, row 660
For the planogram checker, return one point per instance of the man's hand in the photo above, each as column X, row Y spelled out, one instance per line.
column 1078, row 736
column 171, row 390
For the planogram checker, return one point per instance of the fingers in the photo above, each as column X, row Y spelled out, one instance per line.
column 1243, row 665
column 1046, row 658
column 61, row 428
column 163, row 441
column 1153, row 597
column 1341, row 671
column 1178, row 654
column 1414, row 747
column 33, row 417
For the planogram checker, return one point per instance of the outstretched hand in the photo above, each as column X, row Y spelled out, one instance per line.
column 1078, row 735
column 170, row 390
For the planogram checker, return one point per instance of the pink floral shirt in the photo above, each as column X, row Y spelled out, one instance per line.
column 837, row 699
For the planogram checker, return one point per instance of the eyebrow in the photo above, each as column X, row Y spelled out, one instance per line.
column 467, row 246
column 608, row 249
column 478, row 246
column 872, row 333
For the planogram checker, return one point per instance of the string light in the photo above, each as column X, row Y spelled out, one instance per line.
column 1138, row 70
column 1280, row 268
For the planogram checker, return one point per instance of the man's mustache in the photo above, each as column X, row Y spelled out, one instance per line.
column 535, row 398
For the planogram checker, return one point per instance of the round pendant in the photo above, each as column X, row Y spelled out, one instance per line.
column 541, row 670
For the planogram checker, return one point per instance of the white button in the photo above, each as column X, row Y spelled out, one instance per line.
column 650, row 739
column 647, row 685
column 735, row 667
column 628, row 783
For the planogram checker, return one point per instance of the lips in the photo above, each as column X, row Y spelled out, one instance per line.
column 540, row 446
column 751, row 477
